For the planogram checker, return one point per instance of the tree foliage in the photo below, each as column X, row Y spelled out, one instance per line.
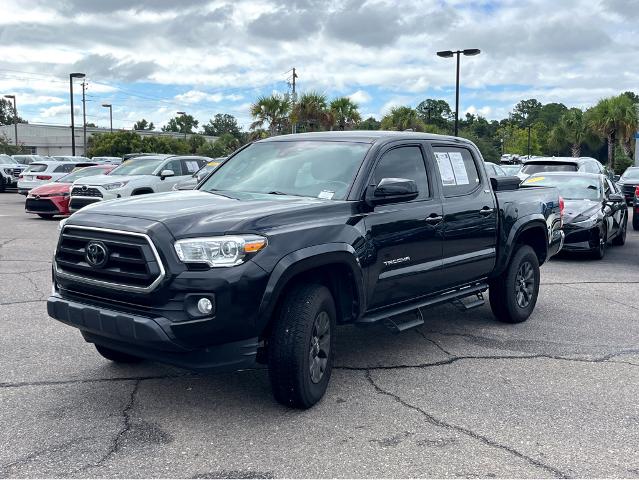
column 6, row 113
column 344, row 113
column 222, row 123
column 143, row 125
column 181, row 124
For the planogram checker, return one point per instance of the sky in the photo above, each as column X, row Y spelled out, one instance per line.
column 152, row 58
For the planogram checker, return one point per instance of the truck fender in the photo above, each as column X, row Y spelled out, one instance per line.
column 306, row 259
column 520, row 226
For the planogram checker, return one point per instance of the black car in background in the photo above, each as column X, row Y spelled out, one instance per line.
column 595, row 211
column 494, row 170
column 563, row 164
column 628, row 183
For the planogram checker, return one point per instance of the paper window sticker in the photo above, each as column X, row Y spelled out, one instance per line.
column 459, row 168
column 326, row 194
column 445, row 168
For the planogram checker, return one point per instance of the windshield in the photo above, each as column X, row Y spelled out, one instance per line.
column 631, row 174
column 24, row 159
column 570, row 188
column 139, row 166
column 531, row 168
column 6, row 159
column 83, row 172
column 304, row 168
column 510, row 169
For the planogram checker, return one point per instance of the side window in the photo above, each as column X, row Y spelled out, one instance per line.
column 189, row 167
column 175, row 165
column 404, row 162
column 590, row 167
column 606, row 188
column 609, row 187
column 457, row 169
column 65, row 168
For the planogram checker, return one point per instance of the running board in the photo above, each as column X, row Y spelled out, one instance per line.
column 449, row 297
column 404, row 321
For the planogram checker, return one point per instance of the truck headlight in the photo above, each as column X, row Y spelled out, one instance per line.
column 224, row 251
column 114, row 186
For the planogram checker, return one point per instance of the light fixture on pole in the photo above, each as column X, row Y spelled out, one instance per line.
column 470, row 52
column 71, row 77
column 110, row 107
column 183, row 122
column 15, row 117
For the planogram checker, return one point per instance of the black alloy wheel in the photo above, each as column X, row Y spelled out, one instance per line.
column 524, row 284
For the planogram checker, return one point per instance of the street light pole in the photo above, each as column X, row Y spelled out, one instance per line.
column 470, row 52
column 84, row 119
column 529, row 127
column 110, row 107
column 15, row 117
column 71, row 77
column 183, row 122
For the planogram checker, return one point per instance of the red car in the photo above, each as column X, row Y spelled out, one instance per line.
column 53, row 198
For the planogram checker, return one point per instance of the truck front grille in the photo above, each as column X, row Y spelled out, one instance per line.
column 108, row 258
column 85, row 191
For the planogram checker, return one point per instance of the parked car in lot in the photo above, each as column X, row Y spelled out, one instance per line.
column 70, row 158
column 510, row 169
column 48, row 171
column 628, row 183
column 562, row 164
column 29, row 159
column 494, row 170
column 110, row 160
column 52, row 198
column 8, row 165
column 191, row 182
column 595, row 210
column 137, row 176
column 293, row 235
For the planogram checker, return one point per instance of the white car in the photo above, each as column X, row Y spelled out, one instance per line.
column 109, row 160
column 39, row 173
column 7, row 167
column 141, row 175
column 71, row 158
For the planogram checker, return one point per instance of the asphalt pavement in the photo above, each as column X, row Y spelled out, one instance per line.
column 462, row 396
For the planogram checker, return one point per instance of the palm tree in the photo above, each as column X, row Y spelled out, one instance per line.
column 402, row 118
column 311, row 110
column 345, row 113
column 573, row 129
column 272, row 110
column 614, row 118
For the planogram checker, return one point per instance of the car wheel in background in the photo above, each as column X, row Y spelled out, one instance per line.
column 3, row 184
column 46, row 216
column 600, row 252
column 620, row 239
column 635, row 221
column 115, row 356
column 514, row 294
column 300, row 347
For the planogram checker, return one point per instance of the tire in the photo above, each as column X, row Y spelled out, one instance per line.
column 620, row 239
column 115, row 356
column 3, row 184
column 510, row 300
column 46, row 216
column 300, row 348
column 141, row 192
column 600, row 252
column 635, row 221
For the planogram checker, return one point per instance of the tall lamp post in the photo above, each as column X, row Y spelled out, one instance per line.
column 183, row 124
column 15, row 117
column 110, row 107
column 71, row 77
column 470, row 52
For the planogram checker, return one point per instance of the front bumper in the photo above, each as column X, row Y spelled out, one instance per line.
column 48, row 205
column 150, row 338
column 581, row 238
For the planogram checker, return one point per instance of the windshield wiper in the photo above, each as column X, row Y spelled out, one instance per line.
column 276, row 192
column 219, row 192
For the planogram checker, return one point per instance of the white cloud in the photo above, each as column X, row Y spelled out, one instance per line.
column 360, row 97
column 197, row 96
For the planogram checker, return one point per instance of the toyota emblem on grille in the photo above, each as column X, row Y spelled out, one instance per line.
column 84, row 187
column 97, row 254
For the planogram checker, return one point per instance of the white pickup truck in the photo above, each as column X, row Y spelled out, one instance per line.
column 137, row 176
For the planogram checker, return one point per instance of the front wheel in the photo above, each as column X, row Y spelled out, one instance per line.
column 300, row 347
column 620, row 239
column 513, row 295
column 599, row 252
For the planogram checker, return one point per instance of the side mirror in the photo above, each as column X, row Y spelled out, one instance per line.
column 616, row 198
column 392, row 190
column 616, row 178
column 166, row 173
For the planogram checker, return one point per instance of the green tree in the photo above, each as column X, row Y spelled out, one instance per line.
column 114, row 144
column 222, row 147
column 272, row 110
column 573, row 130
column 345, row 113
column 311, row 112
column 143, row 125
column 165, row 144
column 403, row 118
column 551, row 113
column 181, row 124
column 435, row 112
column 222, row 123
column 371, row 123
column 6, row 113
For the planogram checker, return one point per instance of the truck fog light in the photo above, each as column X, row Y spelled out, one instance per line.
column 205, row 306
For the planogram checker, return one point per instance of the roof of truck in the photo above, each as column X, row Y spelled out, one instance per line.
column 368, row 136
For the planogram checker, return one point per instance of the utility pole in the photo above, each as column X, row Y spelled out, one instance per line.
column 294, row 125
column 71, row 77
column 84, row 118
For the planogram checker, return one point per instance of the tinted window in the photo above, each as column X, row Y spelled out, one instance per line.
column 192, row 165
column 66, row 168
column 590, row 167
column 457, row 170
column 175, row 165
column 404, row 162
column 36, row 167
column 531, row 168
column 570, row 188
column 138, row 166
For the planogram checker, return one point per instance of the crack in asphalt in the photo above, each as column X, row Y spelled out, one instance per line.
column 608, row 299
column 42, row 383
column 4, row 469
column 18, row 302
column 430, row 340
column 465, row 431
column 627, row 282
column 22, row 273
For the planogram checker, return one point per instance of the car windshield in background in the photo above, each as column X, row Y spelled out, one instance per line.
column 36, row 167
column 570, row 188
column 24, row 159
column 83, row 172
column 510, row 169
column 138, row 166
column 6, row 159
column 303, row 168
column 531, row 168
column 631, row 174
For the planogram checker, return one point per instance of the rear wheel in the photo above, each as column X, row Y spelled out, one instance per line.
column 300, row 348
column 3, row 184
column 115, row 356
column 513, row 295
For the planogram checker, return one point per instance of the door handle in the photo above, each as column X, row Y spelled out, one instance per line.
column 486, row 211
column 434, row 219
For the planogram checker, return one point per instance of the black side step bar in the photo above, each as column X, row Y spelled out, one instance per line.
column 386, row 314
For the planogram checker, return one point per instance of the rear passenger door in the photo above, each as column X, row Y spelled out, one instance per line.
column 470, row 215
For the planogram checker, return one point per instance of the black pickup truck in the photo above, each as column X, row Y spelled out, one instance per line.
column 292, row 236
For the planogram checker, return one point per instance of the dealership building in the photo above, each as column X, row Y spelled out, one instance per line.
column 56, row 139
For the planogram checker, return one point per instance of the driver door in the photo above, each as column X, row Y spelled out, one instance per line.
column 167, row 184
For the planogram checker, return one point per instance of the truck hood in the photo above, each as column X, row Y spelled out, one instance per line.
column 105, row 179
column 195, row 213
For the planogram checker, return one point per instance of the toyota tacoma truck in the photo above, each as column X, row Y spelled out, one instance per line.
column 293, row 236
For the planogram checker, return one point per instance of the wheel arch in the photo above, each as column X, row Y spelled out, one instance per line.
column 142, row 191
column 527, row 232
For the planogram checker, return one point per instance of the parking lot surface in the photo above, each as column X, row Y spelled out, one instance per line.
column 462, row 395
